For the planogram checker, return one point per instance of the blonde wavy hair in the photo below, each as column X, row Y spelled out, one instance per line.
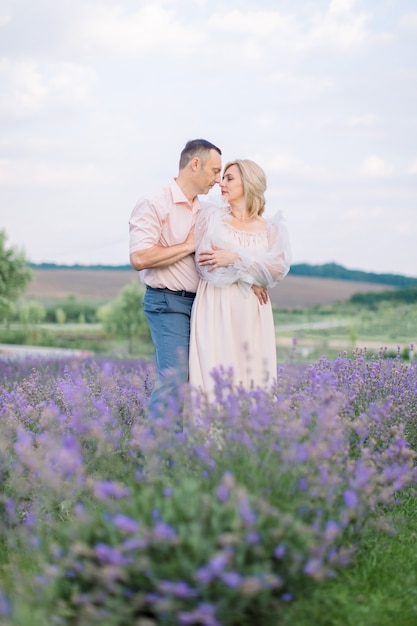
column 254, row 184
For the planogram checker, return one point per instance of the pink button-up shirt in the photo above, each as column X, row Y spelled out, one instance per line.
column 165, row 218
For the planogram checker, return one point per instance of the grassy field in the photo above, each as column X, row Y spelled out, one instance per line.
column 343, row 327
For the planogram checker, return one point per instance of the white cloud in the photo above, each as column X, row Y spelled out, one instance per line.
column 342, row 26
column 22, row 87
column 413, row 167
column 290, row 165
column 26, row 172
column 301, row 86
column 265, row 120
column 376, row 167
column 5, row 19
column 27, row 88
column 354, row 123
column 409, row 22
column 257, row 23
column 152, row 28
column 361, row 121
column 361, row 214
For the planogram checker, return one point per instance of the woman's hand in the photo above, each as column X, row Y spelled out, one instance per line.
column 217, row 257
column 261, row 293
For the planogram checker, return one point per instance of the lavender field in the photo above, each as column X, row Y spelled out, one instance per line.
column 224, row 514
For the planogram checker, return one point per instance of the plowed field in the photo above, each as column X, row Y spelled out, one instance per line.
column 104, row 285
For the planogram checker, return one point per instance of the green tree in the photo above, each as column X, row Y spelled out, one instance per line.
column 60, row 316
column 124, row 317
column 78, row 312
column 15, row 275
column 31, row 314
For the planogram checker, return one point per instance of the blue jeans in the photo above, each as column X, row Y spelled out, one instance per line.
column 168, row 315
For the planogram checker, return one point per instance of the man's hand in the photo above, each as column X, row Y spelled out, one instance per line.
column 261, row 293
column 190, row 240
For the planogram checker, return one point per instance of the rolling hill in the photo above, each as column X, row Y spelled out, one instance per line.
column 102, row 285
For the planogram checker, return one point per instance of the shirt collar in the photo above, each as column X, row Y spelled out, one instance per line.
column 179, row 197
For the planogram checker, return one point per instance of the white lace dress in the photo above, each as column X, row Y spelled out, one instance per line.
column 229, row 327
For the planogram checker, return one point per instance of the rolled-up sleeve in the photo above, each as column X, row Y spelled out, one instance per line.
column 145, row 226
column 164, row 218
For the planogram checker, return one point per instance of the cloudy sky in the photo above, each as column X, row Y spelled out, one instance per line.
column 98, row 97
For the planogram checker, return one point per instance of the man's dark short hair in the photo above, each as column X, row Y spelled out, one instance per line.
column 196, row 147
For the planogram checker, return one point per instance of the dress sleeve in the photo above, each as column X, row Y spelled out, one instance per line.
column 209, row 232
column 265, row 268
column 262, row 267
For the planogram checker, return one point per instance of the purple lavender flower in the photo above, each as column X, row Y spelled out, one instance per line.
column 5, row 605
column 179, row 589
column 134, row 543
column 303, row 484
column 280, row 551
column 222, row 492
column 245, row 510
column 351, row 499
column 107, row 554
column 252, row 537
column 204, row 615
column 313, row 567
column 231, row 579
column 126, row 523
column 104, row 489
column 214, row 568
column 287, row 597
column 164, row 531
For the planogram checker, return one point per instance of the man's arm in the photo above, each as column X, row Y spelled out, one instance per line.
column 161, row 256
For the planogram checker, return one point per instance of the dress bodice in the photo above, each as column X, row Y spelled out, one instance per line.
column 245, row 239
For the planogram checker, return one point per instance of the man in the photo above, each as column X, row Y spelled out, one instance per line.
column 162, row 248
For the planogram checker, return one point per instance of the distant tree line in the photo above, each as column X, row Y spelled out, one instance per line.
column 405, row 295
column 77, row 266
column 338, row 272
column 328, row 270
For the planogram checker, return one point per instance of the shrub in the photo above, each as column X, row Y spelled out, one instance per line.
column 72, row 310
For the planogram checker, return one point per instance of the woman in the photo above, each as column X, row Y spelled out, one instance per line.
column 239, row 255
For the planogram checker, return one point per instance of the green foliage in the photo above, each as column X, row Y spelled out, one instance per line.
column 15, row 275
column 344, row 327
column 407, row 295
column 203, row 527
column 60, row 316
column 125, row 317
column 73, row 310
column 378, row 589
column 31, row 313
column 13, row 336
